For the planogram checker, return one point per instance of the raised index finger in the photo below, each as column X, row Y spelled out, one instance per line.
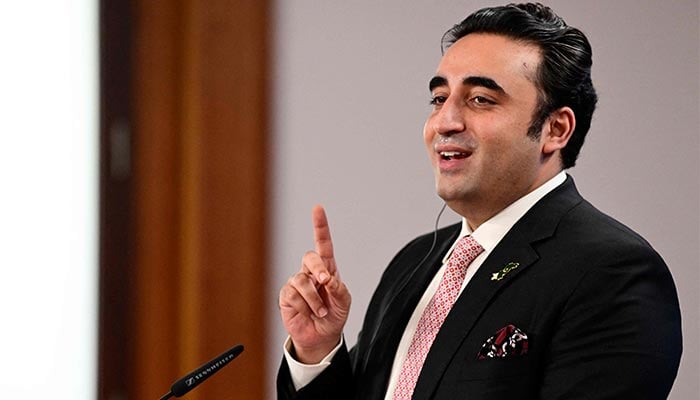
column 322, row 238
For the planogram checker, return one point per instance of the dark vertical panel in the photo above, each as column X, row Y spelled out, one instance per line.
column 115, row 222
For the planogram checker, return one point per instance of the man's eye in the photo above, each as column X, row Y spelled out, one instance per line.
column 438, row 100
column 481, row 100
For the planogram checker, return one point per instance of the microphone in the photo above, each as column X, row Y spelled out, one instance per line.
column 194, row 378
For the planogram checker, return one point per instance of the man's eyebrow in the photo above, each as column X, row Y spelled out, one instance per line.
column 483, row 81
column 437, row 81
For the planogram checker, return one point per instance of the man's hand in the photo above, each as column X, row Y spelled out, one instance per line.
column 315, row 303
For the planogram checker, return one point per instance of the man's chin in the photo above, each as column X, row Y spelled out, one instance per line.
column 452, row 194
column 449, row 191
column 449, row 196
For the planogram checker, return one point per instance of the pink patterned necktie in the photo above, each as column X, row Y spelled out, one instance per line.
column 434, row 315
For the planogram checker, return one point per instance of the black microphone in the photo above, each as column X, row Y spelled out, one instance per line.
column 194, row 378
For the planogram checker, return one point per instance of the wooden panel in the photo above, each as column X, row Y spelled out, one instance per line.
column 199, row 131
column 225, row 146
column 233, row 95
column 156, row 130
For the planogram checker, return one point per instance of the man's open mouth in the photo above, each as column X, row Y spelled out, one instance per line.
column 449, row 155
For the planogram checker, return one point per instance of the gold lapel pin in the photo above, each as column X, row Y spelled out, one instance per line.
column 497, row 276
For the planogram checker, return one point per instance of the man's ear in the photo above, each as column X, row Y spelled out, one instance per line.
column 558, row 129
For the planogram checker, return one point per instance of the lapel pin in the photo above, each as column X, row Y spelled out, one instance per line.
column 497, row 276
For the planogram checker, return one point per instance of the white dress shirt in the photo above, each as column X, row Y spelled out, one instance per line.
column 488, row 234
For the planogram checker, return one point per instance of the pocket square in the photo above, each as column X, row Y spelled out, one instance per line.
column 509, row 341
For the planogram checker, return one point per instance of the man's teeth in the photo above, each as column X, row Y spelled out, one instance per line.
column 452, row 154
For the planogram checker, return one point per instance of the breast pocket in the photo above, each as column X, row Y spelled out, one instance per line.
column 490, row 379
column 496, row 368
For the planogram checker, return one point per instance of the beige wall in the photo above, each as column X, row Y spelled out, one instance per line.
column 350, row 99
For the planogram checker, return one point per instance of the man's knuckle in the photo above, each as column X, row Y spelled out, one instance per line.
column 309, row 254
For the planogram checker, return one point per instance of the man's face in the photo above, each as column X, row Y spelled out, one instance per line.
column 484, row 98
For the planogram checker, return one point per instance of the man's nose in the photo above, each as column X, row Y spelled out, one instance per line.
column 450, row 119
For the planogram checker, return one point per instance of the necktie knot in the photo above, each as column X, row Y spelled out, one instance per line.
column 465, row 252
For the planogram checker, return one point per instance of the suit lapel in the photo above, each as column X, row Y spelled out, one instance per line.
column 516, row 247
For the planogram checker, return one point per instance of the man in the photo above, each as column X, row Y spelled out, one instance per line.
column 536, row 294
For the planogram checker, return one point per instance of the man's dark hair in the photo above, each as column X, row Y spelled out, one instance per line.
column 564, row 75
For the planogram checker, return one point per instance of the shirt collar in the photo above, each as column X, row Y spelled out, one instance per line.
column 493, row 230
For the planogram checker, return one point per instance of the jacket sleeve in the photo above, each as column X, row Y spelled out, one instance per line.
column 335, row 382
column 619, row 336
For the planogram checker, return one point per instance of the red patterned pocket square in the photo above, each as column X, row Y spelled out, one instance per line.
column 509, row 341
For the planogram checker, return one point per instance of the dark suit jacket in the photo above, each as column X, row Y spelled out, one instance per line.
column 597, row 303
